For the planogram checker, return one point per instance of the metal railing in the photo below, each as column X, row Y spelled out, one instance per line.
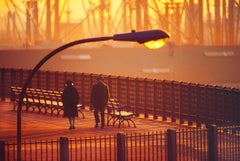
column 146, row 146
column 206, row 144
column 229, row 143
column 161, row 99
column 32, row 150
column 192, row 144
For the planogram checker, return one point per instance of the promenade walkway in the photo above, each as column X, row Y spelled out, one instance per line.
column 40, row 126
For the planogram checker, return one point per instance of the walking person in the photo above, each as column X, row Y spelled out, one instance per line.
column 99, row 100
column 70, row 99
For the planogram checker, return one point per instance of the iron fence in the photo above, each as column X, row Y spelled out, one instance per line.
column 161, row 99
column 146, row 146
column 229, row 143
column 33, row 150
column 93, row 148
column 192, row 145
column 181, row 145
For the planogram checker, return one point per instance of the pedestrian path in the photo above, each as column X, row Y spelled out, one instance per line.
column 41, row 126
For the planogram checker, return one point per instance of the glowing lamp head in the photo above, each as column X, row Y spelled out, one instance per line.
column 156, row 44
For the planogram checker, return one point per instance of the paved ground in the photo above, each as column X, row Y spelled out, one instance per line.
column 40, row 126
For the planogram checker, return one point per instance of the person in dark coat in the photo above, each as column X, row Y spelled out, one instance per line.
column 99, row 100
column 70, row 99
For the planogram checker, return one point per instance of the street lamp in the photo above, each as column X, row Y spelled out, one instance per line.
column 140, row 37
column 152, row 39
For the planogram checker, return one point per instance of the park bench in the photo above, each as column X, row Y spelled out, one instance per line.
column 42, row 100
column 119, row 113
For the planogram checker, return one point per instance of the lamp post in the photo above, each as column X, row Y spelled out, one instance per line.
column 155, row 37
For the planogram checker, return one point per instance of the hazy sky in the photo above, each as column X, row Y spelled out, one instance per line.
column 75, row 6
column 82, row 13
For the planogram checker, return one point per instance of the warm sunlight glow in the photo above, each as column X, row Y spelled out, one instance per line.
column 156, row 44
column 28, row 23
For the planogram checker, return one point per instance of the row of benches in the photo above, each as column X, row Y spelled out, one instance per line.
column 42, row 100
column 49, row 101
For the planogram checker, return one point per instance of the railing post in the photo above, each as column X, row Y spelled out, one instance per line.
column 2, row 84
column 171, row 145
column 165, row 94
column 64, row 155
column 212, row 143
column 2, row 150
column 48, row 82
column 12, row 82
column 120, row 147
column 56, row 76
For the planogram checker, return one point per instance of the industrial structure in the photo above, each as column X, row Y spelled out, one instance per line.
column 192, row 22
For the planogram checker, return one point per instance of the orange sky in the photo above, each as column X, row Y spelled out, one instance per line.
column 76, row 6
